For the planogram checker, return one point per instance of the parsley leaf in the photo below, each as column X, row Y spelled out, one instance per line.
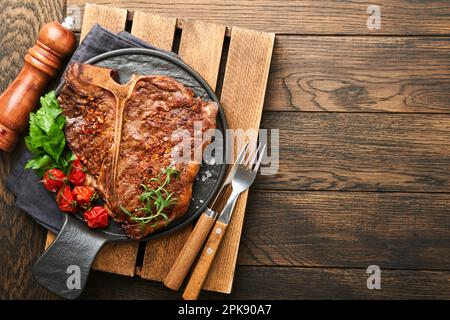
column 46, row 139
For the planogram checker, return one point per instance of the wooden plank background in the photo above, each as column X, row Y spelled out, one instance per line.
column 300, row 16
column 364, row 151
column 21, row 239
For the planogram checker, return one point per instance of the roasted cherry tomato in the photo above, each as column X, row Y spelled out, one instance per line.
column 83, row 195
column 53, row 179
column 65, row 200
column 97, row 217
column 77, row 175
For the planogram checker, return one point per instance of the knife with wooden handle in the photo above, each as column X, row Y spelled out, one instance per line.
column 187, row 255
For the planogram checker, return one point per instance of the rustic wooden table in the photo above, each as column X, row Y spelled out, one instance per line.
column 364, row 179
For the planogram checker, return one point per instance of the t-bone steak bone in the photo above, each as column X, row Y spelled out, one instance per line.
column 123, row 134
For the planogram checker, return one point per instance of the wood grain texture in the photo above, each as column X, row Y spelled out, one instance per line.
column 326, row 283
column 318, row 73
column 113, row 19
column 341, row 232
column 288, row 283
column 201, row 48
column 161, row 253
column 360, row 74
column 242, row 98
column 21, row 238
column 357, row 151
column 398, row 17
column 347, row 229
column 113, row 257
column 156, row 30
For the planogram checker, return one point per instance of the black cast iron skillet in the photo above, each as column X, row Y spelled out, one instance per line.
column 70, row 257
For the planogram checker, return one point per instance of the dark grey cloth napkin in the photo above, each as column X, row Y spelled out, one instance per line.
column 31, row 196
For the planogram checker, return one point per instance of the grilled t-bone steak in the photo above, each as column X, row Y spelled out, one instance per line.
column 123, row 134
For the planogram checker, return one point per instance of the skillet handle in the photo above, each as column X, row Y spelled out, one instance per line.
column 65, row 265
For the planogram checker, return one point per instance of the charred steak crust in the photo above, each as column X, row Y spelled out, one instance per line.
column 123, row 133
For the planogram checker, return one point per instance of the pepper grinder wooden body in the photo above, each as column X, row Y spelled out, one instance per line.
column 42, row 62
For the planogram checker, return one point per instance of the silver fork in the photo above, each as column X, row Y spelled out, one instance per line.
column 243, row 178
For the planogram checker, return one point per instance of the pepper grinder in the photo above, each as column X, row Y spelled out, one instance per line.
column 42, row 62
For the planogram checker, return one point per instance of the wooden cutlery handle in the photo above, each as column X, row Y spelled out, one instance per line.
column 201, row 270
column 180, row 268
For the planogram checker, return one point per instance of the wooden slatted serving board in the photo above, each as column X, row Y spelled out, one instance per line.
column 244, row 84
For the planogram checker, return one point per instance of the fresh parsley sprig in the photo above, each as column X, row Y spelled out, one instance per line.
column 46, row 139
column 155, row 201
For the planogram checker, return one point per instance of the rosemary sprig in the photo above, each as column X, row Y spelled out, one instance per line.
column 155, row 201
